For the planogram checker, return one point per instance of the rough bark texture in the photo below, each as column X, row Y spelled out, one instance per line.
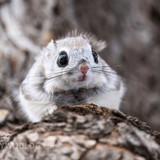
column 131, row 30
column 85, row 132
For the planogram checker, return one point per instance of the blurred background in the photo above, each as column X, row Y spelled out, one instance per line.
column 130, row 28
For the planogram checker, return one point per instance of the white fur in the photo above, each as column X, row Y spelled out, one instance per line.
column 36, row 94
column 35, row 111
column 109, row 99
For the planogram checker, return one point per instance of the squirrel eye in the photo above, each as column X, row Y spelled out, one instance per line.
column 95, row 56
column 62, row 59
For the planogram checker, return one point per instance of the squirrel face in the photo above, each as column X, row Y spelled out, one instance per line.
column 73, row 63
column 69, row 71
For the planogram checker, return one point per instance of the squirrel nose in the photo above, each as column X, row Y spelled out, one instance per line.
column 84, row 68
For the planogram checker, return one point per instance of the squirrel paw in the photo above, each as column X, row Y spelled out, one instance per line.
column 51, row 109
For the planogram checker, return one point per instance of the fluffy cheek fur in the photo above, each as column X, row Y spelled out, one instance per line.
column 71, row 82
column 92, row 81
column 52, row 86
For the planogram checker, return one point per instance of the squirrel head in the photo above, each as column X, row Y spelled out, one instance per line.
column 73, row 62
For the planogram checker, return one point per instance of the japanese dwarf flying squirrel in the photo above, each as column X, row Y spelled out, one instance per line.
column 69, row 71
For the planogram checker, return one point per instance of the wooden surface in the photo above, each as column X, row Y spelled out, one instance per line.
column 86, row 132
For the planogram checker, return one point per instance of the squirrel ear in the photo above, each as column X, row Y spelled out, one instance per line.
column 97, row 45
column 51, row 44
column 50, row 48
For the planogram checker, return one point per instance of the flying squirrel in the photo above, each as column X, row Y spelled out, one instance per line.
column 69, row 71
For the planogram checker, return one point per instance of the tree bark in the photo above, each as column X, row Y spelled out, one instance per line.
column 85, row 132
column 131, row 30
